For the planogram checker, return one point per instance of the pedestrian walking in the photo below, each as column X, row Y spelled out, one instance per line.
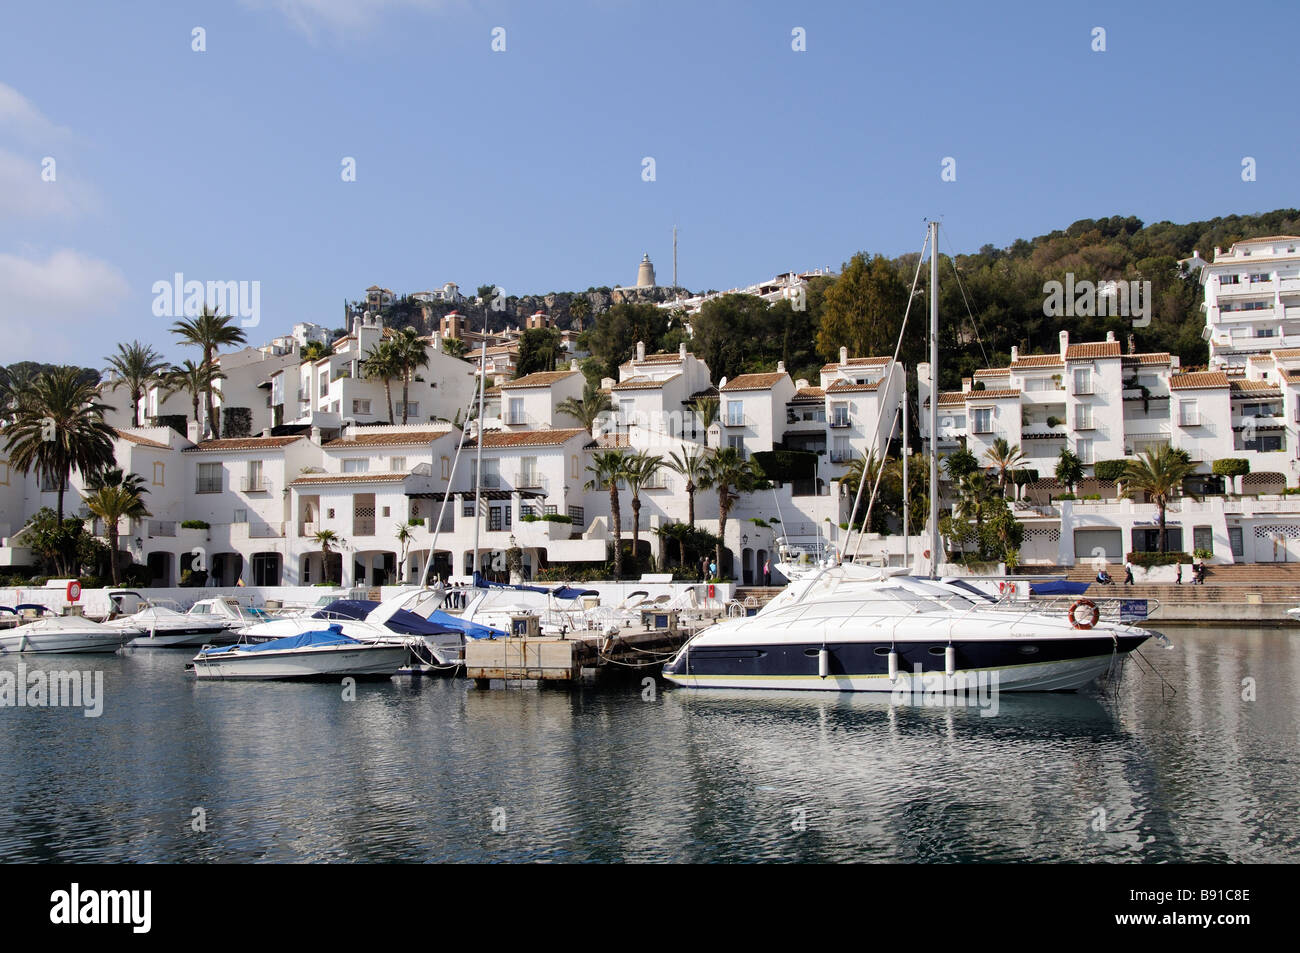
column 767, row 572
column 1128, row 574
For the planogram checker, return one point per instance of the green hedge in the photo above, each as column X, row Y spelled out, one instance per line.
column 195, row 524
column 1230, row 467
column 1109, row 469
column 547, row 518
column 1147, row 560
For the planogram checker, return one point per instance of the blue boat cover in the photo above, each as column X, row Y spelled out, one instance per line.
column 403, row 621
column 1058, row 587
column 304, row 640
column 472, row 629
column 568, row 592
column 563, row 592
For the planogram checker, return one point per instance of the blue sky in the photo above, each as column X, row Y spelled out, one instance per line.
column 524, row 167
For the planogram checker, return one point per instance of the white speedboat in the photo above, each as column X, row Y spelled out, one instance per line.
column 433, row 643
column 59, row 635
column 161, row 624
column 319, row 654
column 226, row 612
column 861, row 629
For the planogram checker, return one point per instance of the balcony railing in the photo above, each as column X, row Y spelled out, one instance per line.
column 254, row 485
column 736, row 420
column 841, row 456
column 363, row 527
column 207, row 486
column 839, row 423
column 530, row 480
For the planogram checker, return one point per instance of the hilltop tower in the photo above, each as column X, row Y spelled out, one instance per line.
column 645, row 274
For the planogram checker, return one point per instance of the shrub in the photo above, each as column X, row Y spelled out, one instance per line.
column 192, row 579
column 1111, row 470
column 1147, row 560
column 1230, row 467
column 1203, row 553
column 195, row 524
column 236, row 422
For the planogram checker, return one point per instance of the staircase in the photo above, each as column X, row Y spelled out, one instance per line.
column 762, row 595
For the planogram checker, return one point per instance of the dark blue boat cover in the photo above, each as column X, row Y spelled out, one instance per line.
column 1058, row 587
column 304, row 640
column 403, row 621
column 472, row 629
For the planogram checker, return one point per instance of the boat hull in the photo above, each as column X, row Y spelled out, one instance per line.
column 59, row 643
column 187, row 638
column 1021, row 665
column 327, row 663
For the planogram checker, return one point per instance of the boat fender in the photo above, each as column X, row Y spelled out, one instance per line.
column 823, row 663
column 1093, row 615
column 950, row 661
column 893, row 666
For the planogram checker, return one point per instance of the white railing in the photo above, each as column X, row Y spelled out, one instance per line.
column 254, row 485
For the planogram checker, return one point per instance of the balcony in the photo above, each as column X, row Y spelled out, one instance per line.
column 530, row 480
column 363, row 526
column 737, row 420
column 658, row 482
column 841, row 422
column 254, row 485
column 841, row 456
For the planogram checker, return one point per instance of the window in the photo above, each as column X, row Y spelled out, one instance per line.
column 209, row 478
column 1188, row 416
column 549, row 509
column 839, row 415
column 1082, row 381
column 983, row 420
column 1229, row 279
column 494, row 518
column 516, row 415
column 159, row 468
column 1260, row 276
column 840, row 450
column 467, row 509
column 397, row 464
column 1084, row 450
column 737, row 443
column 1234, row 540
column 385, row 511
column 356, row 465
column 579, row 515
column 411, row 409
column 1083, row 417
column 735, row 413
column 446, row 468
column 241, row 516
column 574, row 467
column 360, row 406
column 253, row 480
column 1203, row 538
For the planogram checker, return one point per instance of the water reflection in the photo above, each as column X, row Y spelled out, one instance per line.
column 434, row 770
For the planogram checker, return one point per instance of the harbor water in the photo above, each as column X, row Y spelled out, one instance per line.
column 175, row 770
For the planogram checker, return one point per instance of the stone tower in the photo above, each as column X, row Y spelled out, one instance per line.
column 645, row 274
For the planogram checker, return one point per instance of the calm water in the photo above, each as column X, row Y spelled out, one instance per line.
column 419, row 770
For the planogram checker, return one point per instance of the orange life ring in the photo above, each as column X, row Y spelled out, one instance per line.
column 74, row 590
column 1095, row 614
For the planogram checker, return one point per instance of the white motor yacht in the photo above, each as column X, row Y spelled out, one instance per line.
column 58, row 634
column 320, row 654
column 160, row 623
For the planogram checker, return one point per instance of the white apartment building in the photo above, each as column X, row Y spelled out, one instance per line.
column 1252, row 299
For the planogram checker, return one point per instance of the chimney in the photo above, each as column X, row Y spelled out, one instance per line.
column 266, row 432
column 780, row 367
column 844, row 355
column 640, row 350
column 1065, row 343
column 1015, row 354
column 801, row 383
column 606, row 383
column 315, row 435
column 965, row 385
column 1132, row 344
column 1110, row 337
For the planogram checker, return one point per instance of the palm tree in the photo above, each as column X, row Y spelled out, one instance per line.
column 580, row 310
column 59, row 427
column 454, row 347
column 404, row 538
column 859, row 469
column 607, row 469
column 410, row 353
column 314, row 351
column 113, row 497
column 708, row 409
column 639, row 469
column 210, row 331
column 1069, row 468
column 325, row 538
column 381, row 365
column 137, row 366
column 1004, row 459
column 975, row 500
column 731, row 475
column 1158, row 473
column 595, row 402
column 13, row 385
column 195, row 378
column 691, row 464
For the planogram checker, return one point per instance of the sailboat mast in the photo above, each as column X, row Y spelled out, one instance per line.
column 934, row 399
column 906, row 527
column 478, row 448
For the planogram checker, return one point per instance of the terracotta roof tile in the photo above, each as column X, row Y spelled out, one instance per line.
column 408, row 438
column 809, row 393
column 142, row 441
column 1090, row 352
column 991, row 394
column 539, row 379
column 952, row 398
column 844, row 387
column 754, row 381
column 527, row 438
column 1038, row 360
column 857, row 362
column 1155, row 357
column 993, row 372
column 1255, row 387
column 641, row 382
column 1287, row 353
column 244, row 443
column 318, row 478
column 1197, row 379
